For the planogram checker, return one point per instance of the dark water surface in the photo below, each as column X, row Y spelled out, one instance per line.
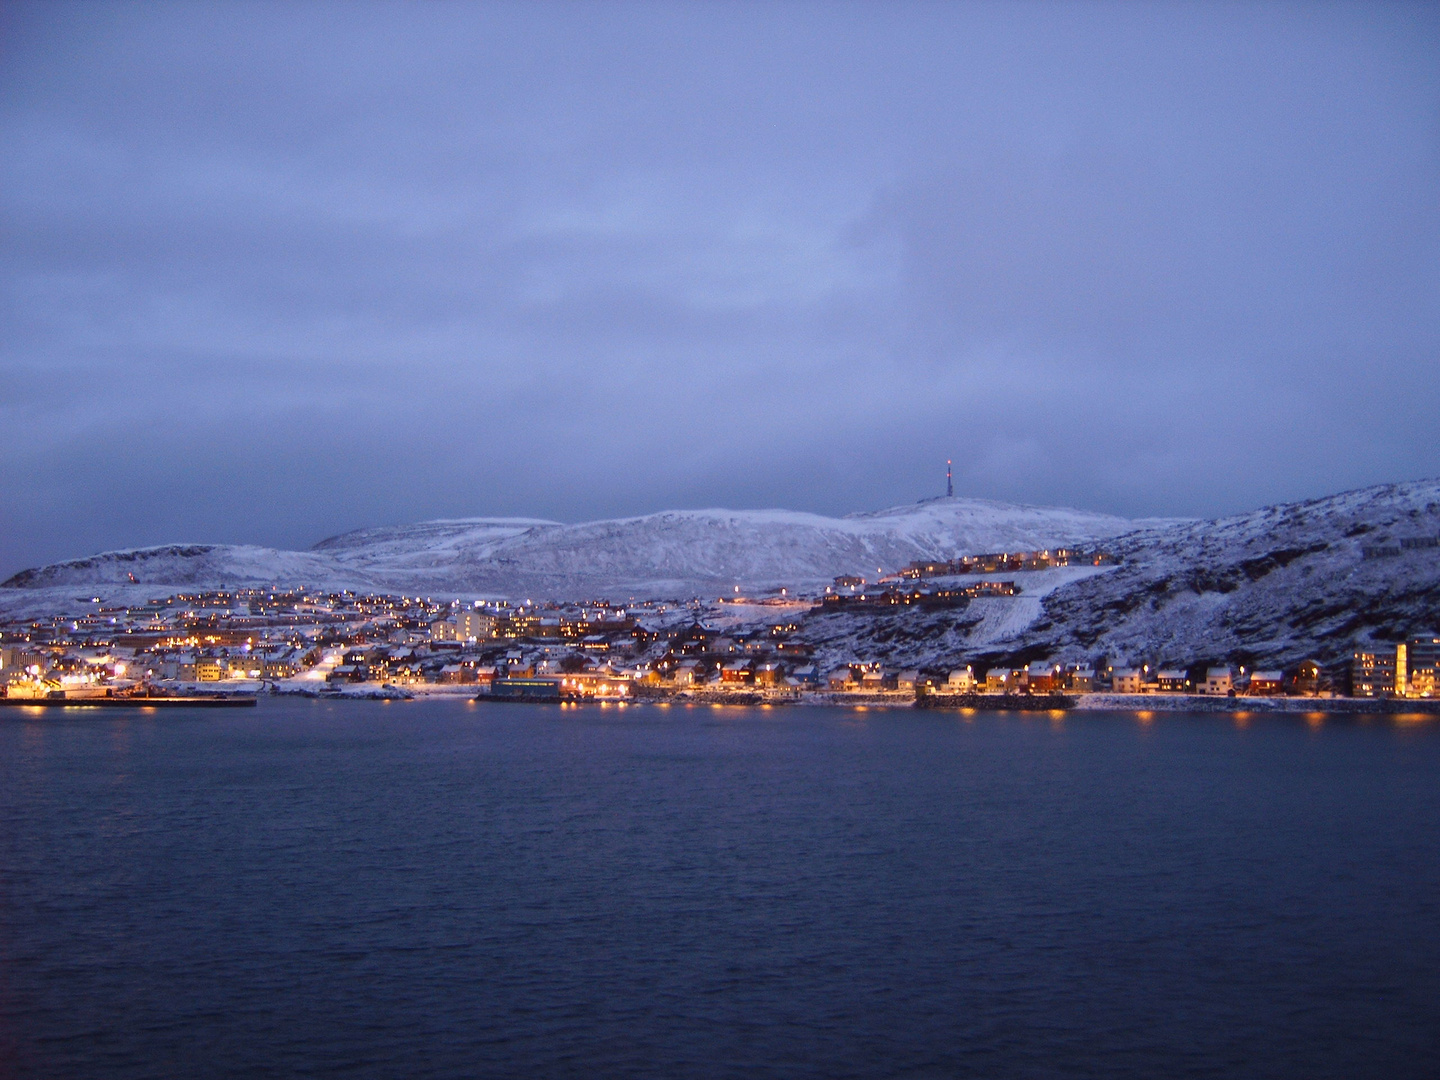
column 449, row 890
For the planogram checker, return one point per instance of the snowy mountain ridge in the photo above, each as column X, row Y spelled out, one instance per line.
column 671, row 553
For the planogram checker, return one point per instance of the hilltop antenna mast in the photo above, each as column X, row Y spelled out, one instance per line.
column 949, row 484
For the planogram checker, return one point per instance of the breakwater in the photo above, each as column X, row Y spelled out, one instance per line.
column 996, row 702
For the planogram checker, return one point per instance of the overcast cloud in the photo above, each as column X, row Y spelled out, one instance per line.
column 268, row 273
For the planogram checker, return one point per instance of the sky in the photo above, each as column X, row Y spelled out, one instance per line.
column 272, row 272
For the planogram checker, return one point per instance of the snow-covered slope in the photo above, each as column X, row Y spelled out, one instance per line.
column 1274, row 586
column 191, row 564
column 429, row 537
column 1280, row 584
column 688, row 551
column 682, row 552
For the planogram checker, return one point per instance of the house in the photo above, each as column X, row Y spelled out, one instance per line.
column 1127, row 680
column 1172, row 681
column 209, row 669
column 1219, row 681
column 356, row 669
column 873, row 680
column 1041, row 677
column 906, row 681
column 406, row 673
column 806, row 675
column 244, row 666
column 1002, row 681
column 737, row 672
column 840, row 679
column 282, row 665
column 1080, row 680
column 767, row 674
column 1265, row 684
column 1308, row 680
column 513, row 665
column 961, row 681
column 686, row 672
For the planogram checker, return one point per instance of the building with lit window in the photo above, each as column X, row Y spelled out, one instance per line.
column 961, row 681
column 1372, row 674
column 463, row 626
column 1265, row 684
column 1172, row 682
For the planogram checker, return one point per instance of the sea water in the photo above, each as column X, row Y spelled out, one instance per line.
column 445, row 889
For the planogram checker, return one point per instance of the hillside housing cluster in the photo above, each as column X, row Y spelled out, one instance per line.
column 334, row 639
column 319, row 642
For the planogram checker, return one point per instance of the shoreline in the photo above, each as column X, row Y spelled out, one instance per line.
column 222, row 701
column 1206, row 703
column 247, row 693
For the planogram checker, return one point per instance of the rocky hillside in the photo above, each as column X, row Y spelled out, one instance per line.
column 1273, row 587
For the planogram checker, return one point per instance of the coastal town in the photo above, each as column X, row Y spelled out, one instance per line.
column 730, row 649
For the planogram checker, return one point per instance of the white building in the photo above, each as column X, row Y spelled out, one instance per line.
column 961, row 681
column 463, row 626
column 1219, row 680
column 1127, row 680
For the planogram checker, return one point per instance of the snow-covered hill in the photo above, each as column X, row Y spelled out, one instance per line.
column 685, row 552
column 200, row 565
column 682, row 552
column 1275, row 586
column 1280, row 584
